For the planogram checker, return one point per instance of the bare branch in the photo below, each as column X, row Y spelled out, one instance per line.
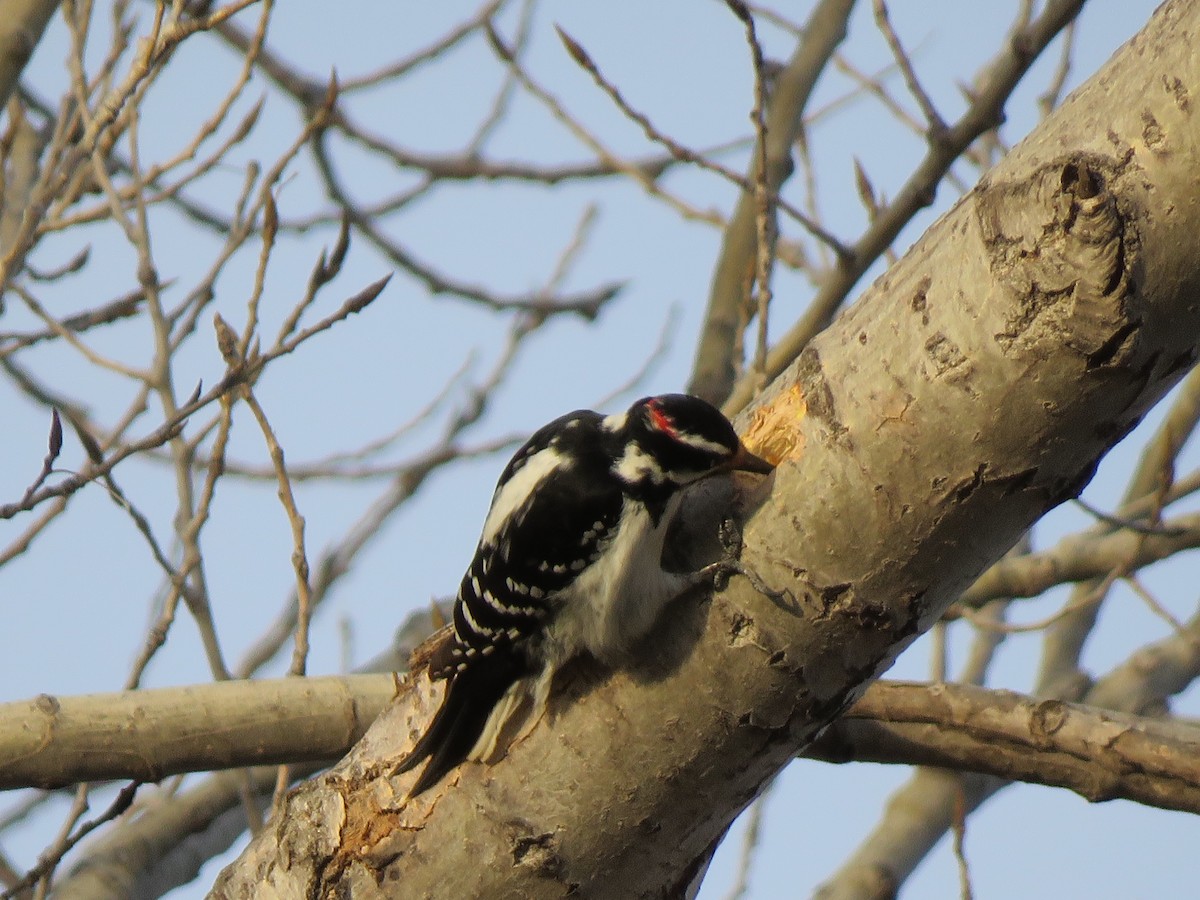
column 714, row 369
column 1082, row 557
column 53, row 742
column 1098, row 754
column 1150, row 485
column 935, row 125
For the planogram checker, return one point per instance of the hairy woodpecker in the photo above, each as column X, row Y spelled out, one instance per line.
column 570, row 561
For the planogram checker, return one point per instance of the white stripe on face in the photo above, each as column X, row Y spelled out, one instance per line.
column 702, row 443
column 636, row 465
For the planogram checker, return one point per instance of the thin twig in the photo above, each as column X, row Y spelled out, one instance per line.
column 700, row 160
column 750, row 844
column 959, row 830
column 935, row 124
column 53, row 855
column 764, row 197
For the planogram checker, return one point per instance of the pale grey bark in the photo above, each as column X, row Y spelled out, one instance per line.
column 971, row 389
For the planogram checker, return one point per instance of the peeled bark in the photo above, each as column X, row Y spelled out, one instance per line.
column 972, row 388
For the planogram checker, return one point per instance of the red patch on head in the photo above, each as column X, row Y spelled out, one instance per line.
column 660, row 419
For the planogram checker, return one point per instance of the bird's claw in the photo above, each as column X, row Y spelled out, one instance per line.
column 723, row 570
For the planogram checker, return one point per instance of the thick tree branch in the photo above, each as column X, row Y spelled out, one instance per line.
column 920, row 812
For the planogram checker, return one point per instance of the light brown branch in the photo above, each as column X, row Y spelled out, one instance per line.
column 1098, row 754
column 147, row 735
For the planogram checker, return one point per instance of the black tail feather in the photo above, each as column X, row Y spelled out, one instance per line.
column 458, row 724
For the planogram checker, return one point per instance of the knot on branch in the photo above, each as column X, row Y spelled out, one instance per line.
column 1061, row 243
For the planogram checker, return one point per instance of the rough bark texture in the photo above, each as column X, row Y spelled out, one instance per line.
column 972, row 388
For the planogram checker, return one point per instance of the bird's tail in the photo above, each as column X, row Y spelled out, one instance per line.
column 458, row 725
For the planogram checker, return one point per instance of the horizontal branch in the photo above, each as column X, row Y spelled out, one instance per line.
column 1080, row 557
column 52, row 742
column 1098, row 754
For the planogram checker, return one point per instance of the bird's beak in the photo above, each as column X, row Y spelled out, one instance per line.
column 745, row 461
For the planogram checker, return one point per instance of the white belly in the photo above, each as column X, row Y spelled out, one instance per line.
column 616, row 601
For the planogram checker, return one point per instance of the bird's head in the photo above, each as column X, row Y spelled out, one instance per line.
column 673, row 439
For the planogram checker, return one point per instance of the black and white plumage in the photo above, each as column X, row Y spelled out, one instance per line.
column 570, row 561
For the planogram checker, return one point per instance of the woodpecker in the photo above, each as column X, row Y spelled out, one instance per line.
column 569, row 562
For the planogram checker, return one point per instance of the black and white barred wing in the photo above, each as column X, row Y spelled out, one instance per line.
column 545, row 527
